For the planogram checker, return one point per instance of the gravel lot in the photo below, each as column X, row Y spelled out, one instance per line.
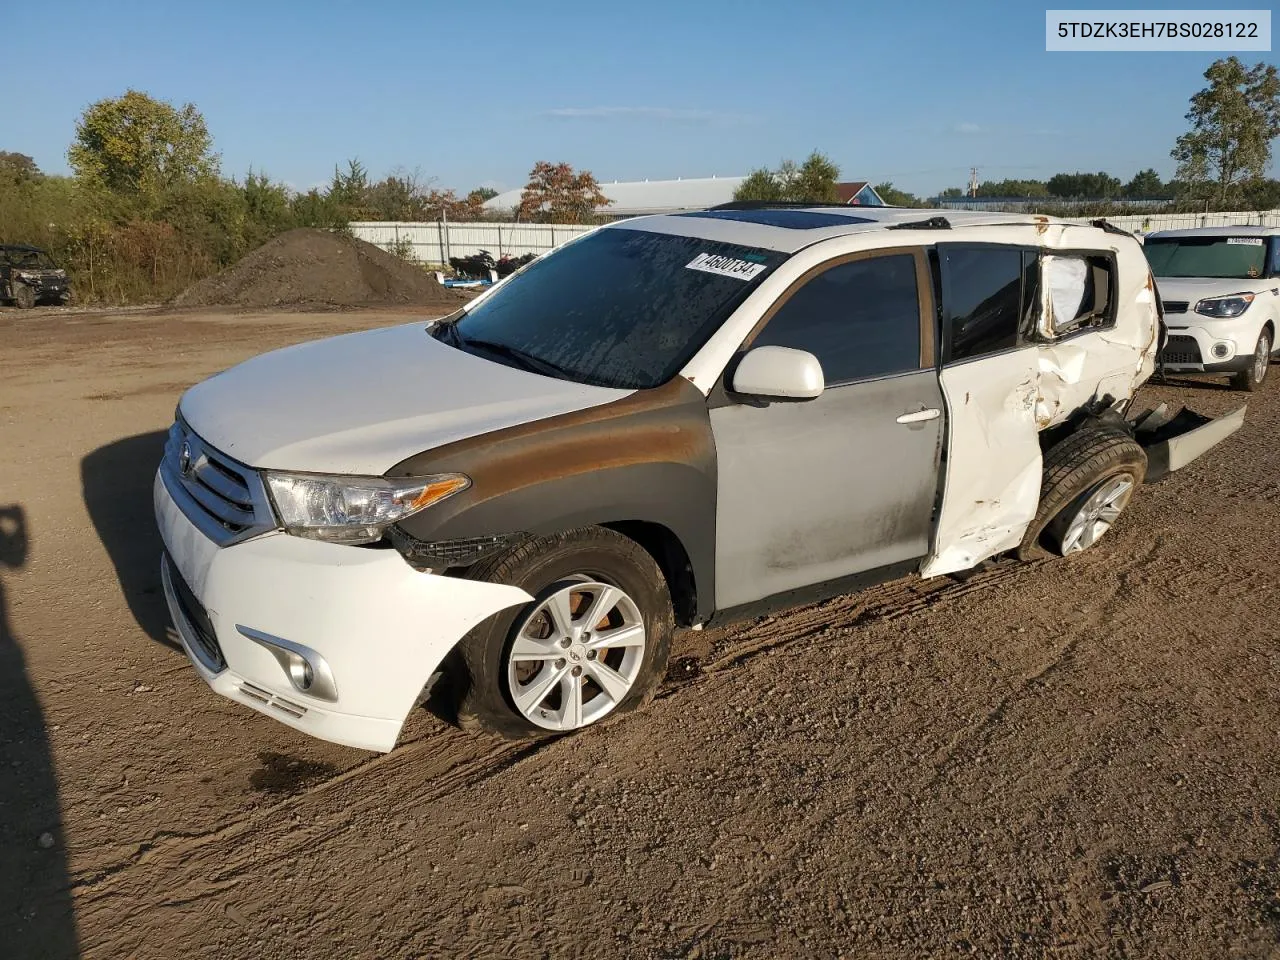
column 1073, row 758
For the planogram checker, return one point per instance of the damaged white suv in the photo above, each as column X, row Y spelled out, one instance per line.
column 669, row 421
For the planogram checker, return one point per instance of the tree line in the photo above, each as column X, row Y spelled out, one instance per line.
column 1222, row 159
column 147, row 211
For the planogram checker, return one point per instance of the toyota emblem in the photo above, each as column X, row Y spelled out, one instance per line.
column 184, row 459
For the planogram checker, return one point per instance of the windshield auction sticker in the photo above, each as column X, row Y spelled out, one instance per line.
column 1247, row 241
column 725, row 266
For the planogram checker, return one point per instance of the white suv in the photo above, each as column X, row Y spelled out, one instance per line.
column 1221, row 293
column 669, row 421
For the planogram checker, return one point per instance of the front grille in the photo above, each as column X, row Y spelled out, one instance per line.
column 193, row 611
column 225, row 499
column 1176, row 306
column 1181, row 350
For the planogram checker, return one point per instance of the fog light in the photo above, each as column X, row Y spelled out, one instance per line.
column 306, row 669
column 1220, row 350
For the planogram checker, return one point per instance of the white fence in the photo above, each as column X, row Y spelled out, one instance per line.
column 1151, row 222
column 437, row 242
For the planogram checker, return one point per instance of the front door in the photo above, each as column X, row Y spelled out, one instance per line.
column 815, row 491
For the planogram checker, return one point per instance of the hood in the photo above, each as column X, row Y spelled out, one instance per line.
column 362, row 402
column 1193, row 289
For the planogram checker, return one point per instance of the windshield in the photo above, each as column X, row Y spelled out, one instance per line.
column 619, row 308
column 1226, row 258
column 34, row 259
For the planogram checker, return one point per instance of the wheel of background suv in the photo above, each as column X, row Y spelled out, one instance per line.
column 593, row 643
column 24, row 296
column 1251, row 379
column 1088, row 480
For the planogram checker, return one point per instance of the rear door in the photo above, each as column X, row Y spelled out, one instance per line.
column 815, row 491
column 991, row 381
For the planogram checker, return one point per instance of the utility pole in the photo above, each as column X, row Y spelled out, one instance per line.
column 973, row 181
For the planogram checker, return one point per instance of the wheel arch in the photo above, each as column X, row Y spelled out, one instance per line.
column 661, row 543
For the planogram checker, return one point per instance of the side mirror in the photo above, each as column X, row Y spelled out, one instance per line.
column 779, row 373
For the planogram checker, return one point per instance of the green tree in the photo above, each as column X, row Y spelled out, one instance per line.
column 894, row 197
column 480, row 194
column 813, row 181
column 349, row 190
column 1087, row 186
column 1012, row 188
column 1145, row 185
column 1233, row 122
column 135, row 145
column 17, row 168
column 760, row 185
column 556, row 193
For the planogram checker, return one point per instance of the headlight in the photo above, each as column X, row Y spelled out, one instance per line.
column 1220, row 307
column 354, row 509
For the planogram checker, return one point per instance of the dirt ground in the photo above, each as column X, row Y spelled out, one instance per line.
column 1072, row 758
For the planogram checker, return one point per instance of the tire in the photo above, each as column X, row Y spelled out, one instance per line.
column 1251, row 380
column 24, row 296
column 1075, row 470
column 493, row 693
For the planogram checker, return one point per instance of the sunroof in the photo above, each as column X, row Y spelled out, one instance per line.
column 791, row 219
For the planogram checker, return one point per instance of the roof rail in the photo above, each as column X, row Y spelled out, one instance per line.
column 932, row 223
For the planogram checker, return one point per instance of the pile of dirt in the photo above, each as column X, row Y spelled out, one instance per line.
column 308, row 267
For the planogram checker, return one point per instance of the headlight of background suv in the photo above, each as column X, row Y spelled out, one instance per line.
column 1222, row 307
column 353, row 509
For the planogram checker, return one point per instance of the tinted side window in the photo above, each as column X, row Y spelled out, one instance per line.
column 982, row 300
column 860, row 319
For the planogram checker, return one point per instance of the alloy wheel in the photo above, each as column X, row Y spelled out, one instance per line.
column 576, row 655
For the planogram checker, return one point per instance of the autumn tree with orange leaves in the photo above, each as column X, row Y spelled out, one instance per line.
column 556, row 194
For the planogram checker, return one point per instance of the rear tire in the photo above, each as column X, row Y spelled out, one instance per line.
column 24, row 296
column 1250, row 380
column 564, row 644
column 1076, row 471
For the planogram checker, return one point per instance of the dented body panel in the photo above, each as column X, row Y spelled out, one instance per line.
column 932, row 466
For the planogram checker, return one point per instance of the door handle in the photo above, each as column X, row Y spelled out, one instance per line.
column 920, row 416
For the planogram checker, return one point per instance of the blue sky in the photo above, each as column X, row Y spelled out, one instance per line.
column 913, row 92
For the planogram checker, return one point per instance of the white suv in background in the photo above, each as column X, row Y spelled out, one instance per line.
column 1221, row 293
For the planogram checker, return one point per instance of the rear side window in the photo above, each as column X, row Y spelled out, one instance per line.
column 1080, row 292
column 860, row 319
column 989, row 296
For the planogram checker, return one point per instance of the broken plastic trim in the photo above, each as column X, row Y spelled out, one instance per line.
column 438, row 554
column 932, row 223
column 1108, row 227
column 1173, row 440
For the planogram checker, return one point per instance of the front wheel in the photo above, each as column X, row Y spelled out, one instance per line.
column 1251, row 379
column 593, row 643
column 24, row 296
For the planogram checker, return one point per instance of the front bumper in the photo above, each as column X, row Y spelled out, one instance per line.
column 1199, row 345
column 377, row 626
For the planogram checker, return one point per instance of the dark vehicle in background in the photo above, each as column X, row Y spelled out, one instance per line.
column 29, row 276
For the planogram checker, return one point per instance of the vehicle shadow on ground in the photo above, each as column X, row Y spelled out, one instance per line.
column 36, row 915
column 116, row 485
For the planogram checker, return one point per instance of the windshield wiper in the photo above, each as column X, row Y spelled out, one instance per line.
column 522, row 358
